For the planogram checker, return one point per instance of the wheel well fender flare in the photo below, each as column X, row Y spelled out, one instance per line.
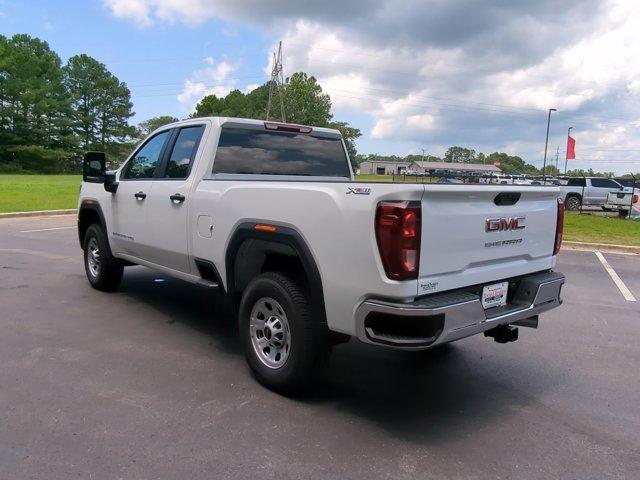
column 89, row 208
column 283, row 235
column 573, row 194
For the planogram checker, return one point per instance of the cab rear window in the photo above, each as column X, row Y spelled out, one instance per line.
column 264, row 152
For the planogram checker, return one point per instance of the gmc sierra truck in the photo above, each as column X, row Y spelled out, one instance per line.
column 270, row 214
column 590, row 191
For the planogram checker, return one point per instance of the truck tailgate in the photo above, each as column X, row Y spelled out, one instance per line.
column 469, row 237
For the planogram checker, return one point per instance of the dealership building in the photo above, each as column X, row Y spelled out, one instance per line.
column 381, row 167
column 427, row 168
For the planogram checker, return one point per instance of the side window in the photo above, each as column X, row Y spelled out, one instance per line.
column 575, row 182
column 145, row 160
column 604, row 183
column 184, row 151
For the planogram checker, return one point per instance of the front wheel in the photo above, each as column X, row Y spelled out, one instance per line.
column 285, row 344
column 103, row 270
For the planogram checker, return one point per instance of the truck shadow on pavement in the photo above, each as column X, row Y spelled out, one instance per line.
column 432, row 396
column 423, row 397
column 204, row 310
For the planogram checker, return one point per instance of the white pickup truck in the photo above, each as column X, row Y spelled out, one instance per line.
column 626, row 204
column 270, row 214
column 591, row 191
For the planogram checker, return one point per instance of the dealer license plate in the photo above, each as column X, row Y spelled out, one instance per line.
column 495, row 295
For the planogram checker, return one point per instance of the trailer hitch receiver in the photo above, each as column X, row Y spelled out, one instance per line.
column 503, row 333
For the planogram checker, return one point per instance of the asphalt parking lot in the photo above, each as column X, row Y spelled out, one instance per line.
column 150, row 383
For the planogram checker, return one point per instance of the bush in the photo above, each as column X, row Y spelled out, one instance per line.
column 37, row 159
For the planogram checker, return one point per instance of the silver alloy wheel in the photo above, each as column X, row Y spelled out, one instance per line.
column 270, row 333
column 93, row 256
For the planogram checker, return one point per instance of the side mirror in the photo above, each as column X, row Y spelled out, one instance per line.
column 93, row 167
column 94, row 171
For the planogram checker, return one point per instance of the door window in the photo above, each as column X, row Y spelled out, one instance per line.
column 576, row 182
column 144, row 162
column 604, row 183
column 183, row 152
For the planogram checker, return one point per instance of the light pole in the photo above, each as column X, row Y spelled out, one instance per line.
column 566, row 155
column 546, row 142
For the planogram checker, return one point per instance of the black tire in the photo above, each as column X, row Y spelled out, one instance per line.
column 573, row 202
column 107, row 275
column 308, row 335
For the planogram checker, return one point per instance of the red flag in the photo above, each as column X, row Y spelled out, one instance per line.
column 571, row 148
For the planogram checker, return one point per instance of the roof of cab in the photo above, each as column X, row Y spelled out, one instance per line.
column 249, row 121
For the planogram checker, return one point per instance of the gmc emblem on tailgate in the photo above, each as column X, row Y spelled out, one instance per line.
column 504, row 224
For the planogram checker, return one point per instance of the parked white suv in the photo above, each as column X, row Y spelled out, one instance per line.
column 270, row 214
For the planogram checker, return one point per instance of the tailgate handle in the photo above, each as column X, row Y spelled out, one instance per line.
column 507, row 198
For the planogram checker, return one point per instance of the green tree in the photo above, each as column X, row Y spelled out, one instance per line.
column 511, row 164
column 235, row 104
column 305, row 103
column 34, row 106
column 349, row 134
column 550, row 170
column 148, row 126
column 460, row 155
column 101, row 104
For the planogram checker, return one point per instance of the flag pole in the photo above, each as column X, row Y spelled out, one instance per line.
column 566, row 154
column 546, row 142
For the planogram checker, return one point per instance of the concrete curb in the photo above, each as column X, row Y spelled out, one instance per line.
column 600, row 247
column 41, row 213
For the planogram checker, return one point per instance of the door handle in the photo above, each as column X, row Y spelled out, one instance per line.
column 140, row 195
column 177, row 198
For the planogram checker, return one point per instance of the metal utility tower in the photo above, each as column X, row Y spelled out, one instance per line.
column 276, row 84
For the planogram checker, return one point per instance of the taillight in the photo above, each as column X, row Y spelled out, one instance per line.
column 559, row 227
column 634, row 198
column 398, row 227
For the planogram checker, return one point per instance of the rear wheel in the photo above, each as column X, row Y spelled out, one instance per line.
column 284, row 342
column 573, row 202
column 103, row 270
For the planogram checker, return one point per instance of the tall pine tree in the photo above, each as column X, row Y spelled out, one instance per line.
column 34, row 107
column 101, row 104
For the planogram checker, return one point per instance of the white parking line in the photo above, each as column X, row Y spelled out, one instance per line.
column 47, row 229
column 626, row 293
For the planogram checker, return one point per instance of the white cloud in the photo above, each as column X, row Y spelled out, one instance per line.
column 136, row 10
column 481, row 74
column 211, row 80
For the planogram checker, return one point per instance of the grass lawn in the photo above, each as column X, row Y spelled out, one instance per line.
column 598, row 229
column 26, row 193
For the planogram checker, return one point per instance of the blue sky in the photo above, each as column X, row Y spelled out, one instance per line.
column 411, row 75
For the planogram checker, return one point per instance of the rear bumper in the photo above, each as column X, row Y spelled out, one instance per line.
column 443, row 318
